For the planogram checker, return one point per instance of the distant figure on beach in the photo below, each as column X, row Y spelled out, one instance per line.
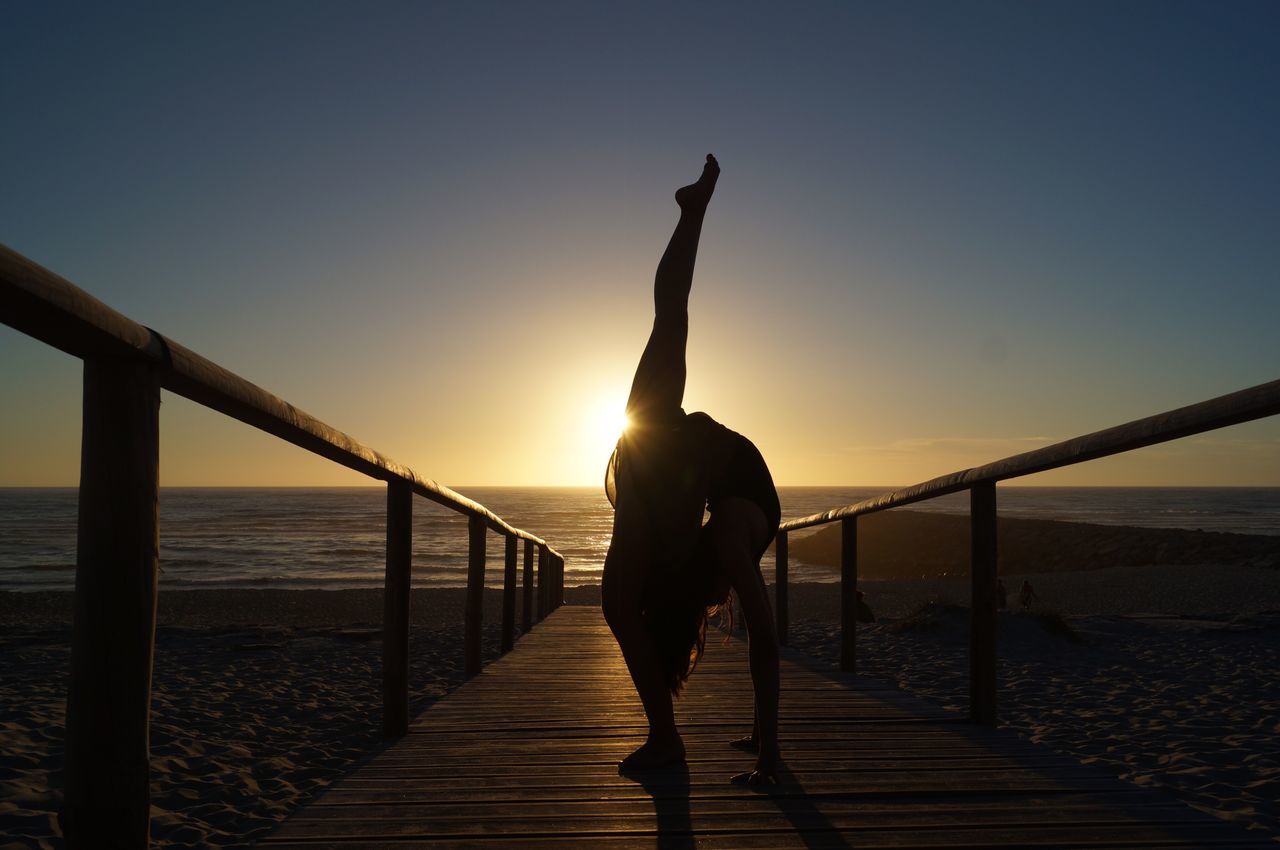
column 1026, row 596
column 862, row 612
column 665, row 570
column 1002, row 596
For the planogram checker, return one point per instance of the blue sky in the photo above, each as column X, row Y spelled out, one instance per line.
column 945, row 232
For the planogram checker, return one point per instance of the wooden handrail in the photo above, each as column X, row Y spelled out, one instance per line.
column 45, row 306
column 1244, row 405
column 117, row 544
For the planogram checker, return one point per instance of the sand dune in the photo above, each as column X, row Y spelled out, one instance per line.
column 912, row 544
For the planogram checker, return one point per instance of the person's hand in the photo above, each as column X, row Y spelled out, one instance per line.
column 756, row 778
column 765, row 773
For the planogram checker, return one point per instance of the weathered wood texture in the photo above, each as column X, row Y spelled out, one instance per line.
column 107, row 800
column 525, row 756
column 49, row 308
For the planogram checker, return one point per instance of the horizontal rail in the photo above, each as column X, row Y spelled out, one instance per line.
column 49, row 308
column 1242, row 406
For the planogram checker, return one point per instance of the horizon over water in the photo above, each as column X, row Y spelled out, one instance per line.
column 334, row 537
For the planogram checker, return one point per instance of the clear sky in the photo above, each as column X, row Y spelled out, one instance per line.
column 945, row 232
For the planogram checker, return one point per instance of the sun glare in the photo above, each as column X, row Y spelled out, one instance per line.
column 602, row 425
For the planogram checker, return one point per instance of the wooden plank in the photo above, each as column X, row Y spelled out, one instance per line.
column 897, row 839
column 525, row 754
column 946, row 832
column 356, row 804
column 851, row 780
column 708, row 815
column 108, row 793
column 480, row 748
column 599, row 761
column 657, row 789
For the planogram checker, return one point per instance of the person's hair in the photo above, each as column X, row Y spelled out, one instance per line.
column 677, row 607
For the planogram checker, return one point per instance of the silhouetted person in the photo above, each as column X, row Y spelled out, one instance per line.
column 1026, row 596
column 665, row 570
column 862, row 612
column 1002, row 597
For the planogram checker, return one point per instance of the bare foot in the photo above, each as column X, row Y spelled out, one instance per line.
column 697, row 195
column 654, row 753
column 747, row 743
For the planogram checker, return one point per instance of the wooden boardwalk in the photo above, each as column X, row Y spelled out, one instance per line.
column 525, row 756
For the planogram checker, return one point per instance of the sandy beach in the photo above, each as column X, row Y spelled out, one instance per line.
column 263, row 698
column 1169, row 680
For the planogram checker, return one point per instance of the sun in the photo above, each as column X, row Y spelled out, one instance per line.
column 603, row 422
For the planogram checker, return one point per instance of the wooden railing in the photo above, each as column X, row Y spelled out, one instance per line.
column 107, row 797
column 1243, row 406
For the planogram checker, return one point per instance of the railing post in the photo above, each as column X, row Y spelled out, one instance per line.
column 780, row 587
column 509, row 595
column 474, row 617
column 526, row 618
column 543, row 558
column 395, row 609
column 107, row 801
column 559, row 580
column 553, row 584
column 982, row 604
column 848, row 593
column 553, row 564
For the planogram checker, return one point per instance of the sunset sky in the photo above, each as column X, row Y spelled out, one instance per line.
column 944, row 232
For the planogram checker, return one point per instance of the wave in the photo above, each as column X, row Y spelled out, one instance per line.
column 38, row 568
column 282, row 537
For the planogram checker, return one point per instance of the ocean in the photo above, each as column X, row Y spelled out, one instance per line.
column 334, row 537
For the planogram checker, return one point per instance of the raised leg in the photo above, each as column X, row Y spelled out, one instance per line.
column 657, row 391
